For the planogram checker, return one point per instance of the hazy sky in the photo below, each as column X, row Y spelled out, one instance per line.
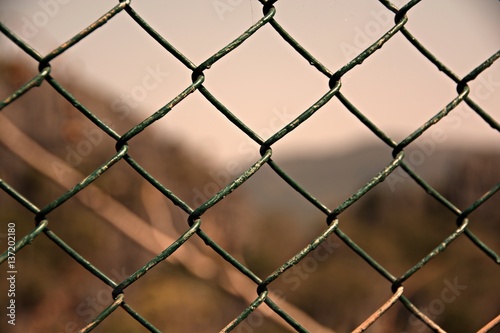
column 264, row 81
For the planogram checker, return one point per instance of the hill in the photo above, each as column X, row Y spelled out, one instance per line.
column 118, row 223
column 122, row 221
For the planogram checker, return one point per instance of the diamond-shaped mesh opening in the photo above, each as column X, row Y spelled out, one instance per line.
column 437, row 28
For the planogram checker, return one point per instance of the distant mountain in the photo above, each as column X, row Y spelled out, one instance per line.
column 332, row 179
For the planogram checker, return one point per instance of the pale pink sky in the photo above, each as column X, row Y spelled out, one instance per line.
column 264, row 81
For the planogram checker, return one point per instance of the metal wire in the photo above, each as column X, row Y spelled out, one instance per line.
column 195, row 219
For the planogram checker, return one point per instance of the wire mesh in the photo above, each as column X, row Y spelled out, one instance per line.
column 264, row 297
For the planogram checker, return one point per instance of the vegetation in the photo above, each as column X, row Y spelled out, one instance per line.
column 192, row 291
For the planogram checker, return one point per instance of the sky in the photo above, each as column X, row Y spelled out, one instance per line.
column 264, row 81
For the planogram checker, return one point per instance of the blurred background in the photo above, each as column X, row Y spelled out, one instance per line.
column 123, row 76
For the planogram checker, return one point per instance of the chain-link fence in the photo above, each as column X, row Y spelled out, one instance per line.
column 264, row 299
